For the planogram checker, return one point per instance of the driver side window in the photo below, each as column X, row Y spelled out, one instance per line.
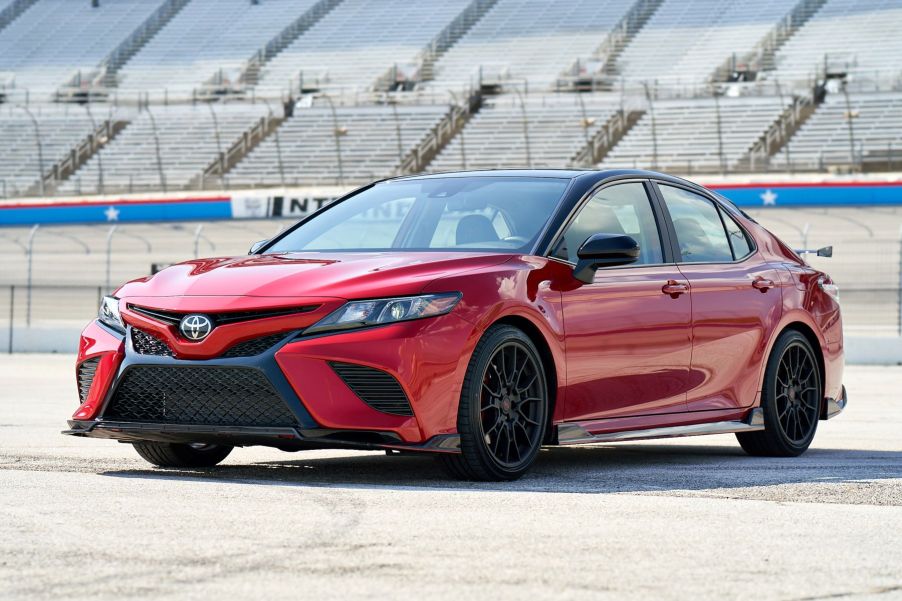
column 618, row 209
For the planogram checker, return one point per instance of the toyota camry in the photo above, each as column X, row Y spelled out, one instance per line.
column 476, row 316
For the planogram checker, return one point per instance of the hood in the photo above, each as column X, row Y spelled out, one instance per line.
column 339, row 275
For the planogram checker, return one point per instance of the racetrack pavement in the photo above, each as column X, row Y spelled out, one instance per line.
column 692, row 518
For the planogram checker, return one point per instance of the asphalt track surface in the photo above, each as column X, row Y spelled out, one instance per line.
column 687, row 519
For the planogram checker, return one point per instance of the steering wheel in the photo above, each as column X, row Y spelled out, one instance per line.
column 520, row 240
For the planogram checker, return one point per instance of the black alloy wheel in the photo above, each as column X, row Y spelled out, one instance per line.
column 503, row 410
column 792, row 398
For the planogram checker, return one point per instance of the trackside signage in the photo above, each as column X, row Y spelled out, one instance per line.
column 297, row 203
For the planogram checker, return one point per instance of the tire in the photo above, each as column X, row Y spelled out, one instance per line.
column 167, row 454
column 503, row 411
column 792, row 397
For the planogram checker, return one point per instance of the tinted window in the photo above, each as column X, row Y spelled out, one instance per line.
column 503, row 214
column 699, row 230
column 738, row 239
column 620, row 209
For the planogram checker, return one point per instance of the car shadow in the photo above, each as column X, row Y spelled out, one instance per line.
column 592, row 469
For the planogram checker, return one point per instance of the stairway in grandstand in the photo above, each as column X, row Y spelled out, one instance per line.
column 250, row 74
column 11, row 9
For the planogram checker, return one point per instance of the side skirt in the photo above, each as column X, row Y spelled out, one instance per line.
column 575, row 434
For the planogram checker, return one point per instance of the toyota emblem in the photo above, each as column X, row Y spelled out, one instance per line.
column 195, row 326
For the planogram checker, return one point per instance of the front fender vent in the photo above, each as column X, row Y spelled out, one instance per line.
column 85, row 376
column 376, row 388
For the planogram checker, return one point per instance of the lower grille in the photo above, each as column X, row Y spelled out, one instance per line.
column 378, row 389
column 249, row 348
column 222, row 396
column 85, row 376
column 148, row 344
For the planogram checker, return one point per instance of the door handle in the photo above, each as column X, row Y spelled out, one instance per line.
column 674, row 288
column 763, row 284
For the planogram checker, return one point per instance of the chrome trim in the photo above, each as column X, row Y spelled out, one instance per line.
column 575, row 434
column 833, row 407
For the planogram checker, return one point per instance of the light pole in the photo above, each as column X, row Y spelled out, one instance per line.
column 99, row 153
column 525, row 127
column 722, row 158
column 156, row 140
column 278, row 145
column 37, row 140
column 336, row 133
column 218, row 146
column 654, row 132
column 849, row 117
column 787, row 140
column 394, row 110
column 463, row 152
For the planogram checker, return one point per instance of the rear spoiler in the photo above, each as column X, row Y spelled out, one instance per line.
column 826, row 251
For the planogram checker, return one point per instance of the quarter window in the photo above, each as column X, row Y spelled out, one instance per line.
column 620, row 209
column 737, row 236
column 700, row 232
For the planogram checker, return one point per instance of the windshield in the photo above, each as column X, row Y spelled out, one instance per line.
column 500, row 214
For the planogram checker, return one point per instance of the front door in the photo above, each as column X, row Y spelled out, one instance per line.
column 628, row 332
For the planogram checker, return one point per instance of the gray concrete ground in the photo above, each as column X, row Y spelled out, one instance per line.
column 688, row 519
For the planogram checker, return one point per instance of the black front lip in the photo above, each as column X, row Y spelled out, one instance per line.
column 281, row 437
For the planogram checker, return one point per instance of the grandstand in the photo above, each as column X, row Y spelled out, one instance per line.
column 200, row 94
column 53, row 39
column 858, row 37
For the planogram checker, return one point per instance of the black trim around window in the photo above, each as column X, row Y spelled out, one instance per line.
column 660, row 216
column 719, row 206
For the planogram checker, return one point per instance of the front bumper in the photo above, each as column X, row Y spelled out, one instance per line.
column 426, row 357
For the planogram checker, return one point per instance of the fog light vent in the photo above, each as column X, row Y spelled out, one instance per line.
column 376, row 388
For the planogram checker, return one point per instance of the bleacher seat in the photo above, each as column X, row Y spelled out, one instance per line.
column 494, row 137
column 54, row 39
column 358, row 42
column 687, row 138
column 531, row 41
column 187, row 137
column 686, row 40
column 369, row 145
column 60, row 129
column 823, row 140
column 861, row 33
column 204, row 38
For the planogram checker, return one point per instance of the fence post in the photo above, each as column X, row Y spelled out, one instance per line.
column 31, row 235
column 899, row 289
column 12, row 314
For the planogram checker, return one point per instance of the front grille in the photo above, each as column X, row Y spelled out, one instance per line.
column 148, row 344
column 249, row 348
column 174, row 317
column 221, row 396
column 376, row 388
column 85, row 376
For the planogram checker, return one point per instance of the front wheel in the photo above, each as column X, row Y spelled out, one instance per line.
column 170, row 454
column 791, row 399
column 503, row 408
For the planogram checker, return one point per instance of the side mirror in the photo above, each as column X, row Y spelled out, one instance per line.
column 604, row 250
column 257, row 246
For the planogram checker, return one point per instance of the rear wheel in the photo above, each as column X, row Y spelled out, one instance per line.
column 503, row 409
column 168, row 454
column 791, row 399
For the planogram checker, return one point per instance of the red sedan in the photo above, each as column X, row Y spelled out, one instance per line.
column 476, row 316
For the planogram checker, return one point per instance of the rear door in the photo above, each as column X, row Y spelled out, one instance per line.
column 627, row 333
column 736, row 300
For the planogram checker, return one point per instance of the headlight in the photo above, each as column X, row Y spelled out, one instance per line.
column 109, row 313
column 358, row 314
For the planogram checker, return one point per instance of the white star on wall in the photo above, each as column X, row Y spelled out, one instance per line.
column 769, row 197
column 112, row 214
